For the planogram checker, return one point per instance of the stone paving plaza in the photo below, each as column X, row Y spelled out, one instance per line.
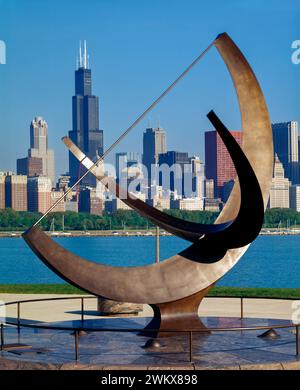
column 55, row 349
column 99, row 350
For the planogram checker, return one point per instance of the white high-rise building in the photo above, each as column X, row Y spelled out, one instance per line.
column 191, row 204
column 280, row 187
column 39, row 146
column 160, row 198
column 198, row 177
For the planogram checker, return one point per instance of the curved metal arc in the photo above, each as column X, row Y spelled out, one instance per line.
column 178, row 276
column 247, row 225
column 257, row 131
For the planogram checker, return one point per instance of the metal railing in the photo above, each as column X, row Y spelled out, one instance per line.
column 189, row 332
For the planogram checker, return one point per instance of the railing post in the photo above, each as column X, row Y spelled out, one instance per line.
column 82, row 309
column 76, row 345
column 242, row 308
column 2, row 337
column 157, row 255
column 297, row 340
column 18, row 315
column 191, row 346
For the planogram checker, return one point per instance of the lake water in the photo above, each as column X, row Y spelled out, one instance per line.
column 271, row 261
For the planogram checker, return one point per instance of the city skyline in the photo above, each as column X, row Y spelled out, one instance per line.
column 149, row 160
column 177, row 37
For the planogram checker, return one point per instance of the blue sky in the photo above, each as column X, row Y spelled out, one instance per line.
column 136, row 49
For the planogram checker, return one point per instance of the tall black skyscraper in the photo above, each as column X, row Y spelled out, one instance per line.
column 182, row 167
column 285, row 138
column 154, row 143
column 85, row 107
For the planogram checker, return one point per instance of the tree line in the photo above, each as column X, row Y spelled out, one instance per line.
column 11, row 220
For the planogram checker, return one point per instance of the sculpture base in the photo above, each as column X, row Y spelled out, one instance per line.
column 175, row 318
column 108, row 307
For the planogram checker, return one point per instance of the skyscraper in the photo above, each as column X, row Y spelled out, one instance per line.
column 280, row 187
column 16, row 192
column 39, row 194
column 129, row 171
column 218, row 163
column 180, row 177
column 285, row 138
column 209, row 187
column 90, row 202
column 61, row 206
column 40, row 159
column 198, row 177
column 295, row 198
column 30, row 166
column 125, row 161
column 85, row 123
column 154, row 143
column 2, row 190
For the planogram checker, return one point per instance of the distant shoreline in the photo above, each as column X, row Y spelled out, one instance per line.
column 135, row 233
column 93, row 233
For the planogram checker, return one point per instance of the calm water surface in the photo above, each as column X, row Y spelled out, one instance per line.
column 270, row 262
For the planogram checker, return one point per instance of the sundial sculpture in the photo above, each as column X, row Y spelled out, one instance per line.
column 175, row 287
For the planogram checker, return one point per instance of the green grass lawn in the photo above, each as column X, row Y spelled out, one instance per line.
column 39, row 289
column 216, row 291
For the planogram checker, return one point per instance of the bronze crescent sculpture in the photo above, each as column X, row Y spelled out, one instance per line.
column 176, row 286
column 225, row 235
column 190, row 231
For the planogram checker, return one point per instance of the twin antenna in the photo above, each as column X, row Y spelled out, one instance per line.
column 83, row 61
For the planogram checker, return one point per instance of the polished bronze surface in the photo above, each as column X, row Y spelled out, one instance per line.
column 177, row 315
column 270, row 334
column 190, row 273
